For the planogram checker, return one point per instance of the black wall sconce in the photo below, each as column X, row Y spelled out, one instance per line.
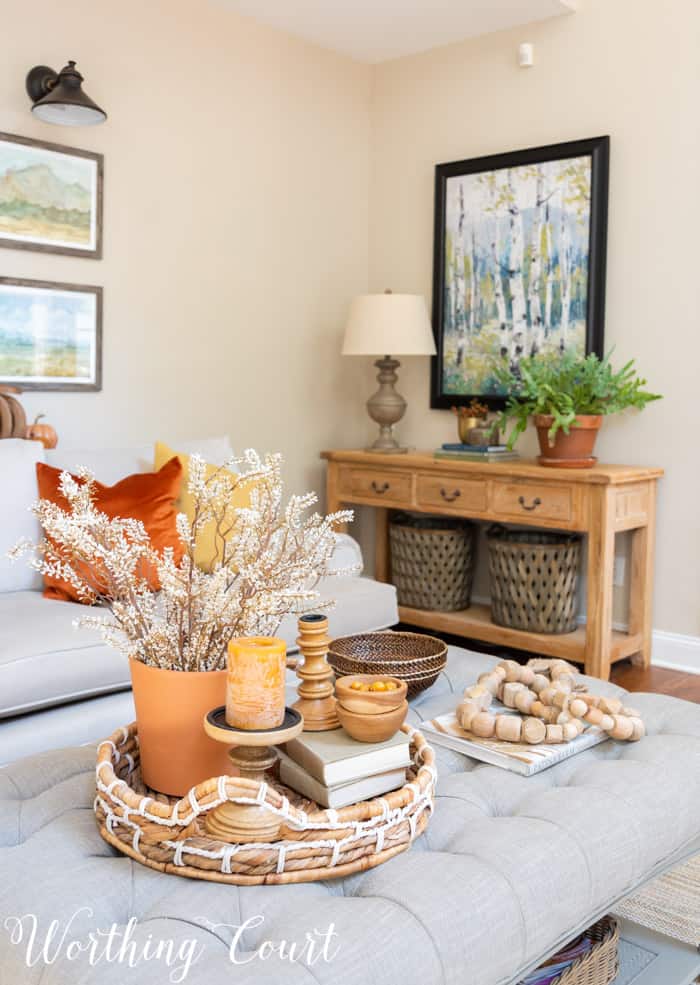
column 58, row 97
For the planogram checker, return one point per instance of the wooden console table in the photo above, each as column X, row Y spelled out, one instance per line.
column 599, row 502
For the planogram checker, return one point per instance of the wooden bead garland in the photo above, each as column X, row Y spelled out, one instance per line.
column 554, row 712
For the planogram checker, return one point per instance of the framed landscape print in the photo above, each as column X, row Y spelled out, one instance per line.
column 519, row 263
column 50, row 197
column 50, row 335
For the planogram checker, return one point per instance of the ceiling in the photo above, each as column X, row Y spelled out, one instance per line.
column 376, row 30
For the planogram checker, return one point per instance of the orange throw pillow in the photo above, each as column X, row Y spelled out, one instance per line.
column 146, row 496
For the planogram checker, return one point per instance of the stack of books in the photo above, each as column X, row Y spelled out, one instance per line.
column 335, row 770
column 476, row 453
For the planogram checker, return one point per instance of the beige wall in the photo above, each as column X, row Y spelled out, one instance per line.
column 244, row 169
column 617, row 67
column 236, row 163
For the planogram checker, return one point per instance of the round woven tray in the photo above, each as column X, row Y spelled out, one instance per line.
column 412, row 657
column 168, row 834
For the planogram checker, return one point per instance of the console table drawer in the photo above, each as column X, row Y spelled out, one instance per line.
column 394, row 487
column 447, row 491
column 530, row 500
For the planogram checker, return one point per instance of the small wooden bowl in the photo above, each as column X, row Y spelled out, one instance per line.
column 369, row 702
column 372, row 728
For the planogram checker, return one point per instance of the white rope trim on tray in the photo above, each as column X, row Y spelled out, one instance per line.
column 284, row 812
column 411, row 813
column 194, row 805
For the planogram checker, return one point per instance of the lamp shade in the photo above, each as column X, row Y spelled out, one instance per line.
column 60, row 98
column 390, row 324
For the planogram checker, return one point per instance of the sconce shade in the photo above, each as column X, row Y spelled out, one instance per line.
column 388, row 323
column 59, row 98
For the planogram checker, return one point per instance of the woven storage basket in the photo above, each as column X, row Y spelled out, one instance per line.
column 412, row 657
column 167, row 834
column 432, row 561
column 533, row 579
column 600, row 966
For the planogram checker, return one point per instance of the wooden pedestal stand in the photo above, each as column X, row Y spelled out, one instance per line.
column 253, row 754
column 316, row 699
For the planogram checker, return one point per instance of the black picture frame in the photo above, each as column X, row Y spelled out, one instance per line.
column 598, row 149
column 79, row 385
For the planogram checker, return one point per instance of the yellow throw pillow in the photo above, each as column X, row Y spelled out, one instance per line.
column 205, row 547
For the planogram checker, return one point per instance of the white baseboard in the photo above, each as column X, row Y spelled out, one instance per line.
column 673, row 651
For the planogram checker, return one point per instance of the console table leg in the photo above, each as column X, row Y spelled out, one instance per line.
column 381, row 545
column 641, row 582
column 333, row 501
column 601, row 562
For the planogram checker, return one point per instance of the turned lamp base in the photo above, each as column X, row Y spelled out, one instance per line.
column 386, row 407
column 253, row 754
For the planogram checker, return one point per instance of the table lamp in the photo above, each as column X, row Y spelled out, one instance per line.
column 388, row 323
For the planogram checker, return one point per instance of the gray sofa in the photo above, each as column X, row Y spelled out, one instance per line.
column 509, row 869
column 61, row 685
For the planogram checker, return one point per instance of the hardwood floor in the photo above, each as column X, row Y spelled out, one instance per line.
column 657, row 679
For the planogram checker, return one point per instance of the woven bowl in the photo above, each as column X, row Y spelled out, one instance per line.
column 414, row 658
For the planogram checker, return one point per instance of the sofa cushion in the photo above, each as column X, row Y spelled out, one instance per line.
column 109, row 465
column 46, row 660
column 18, row 460
column 510, row 868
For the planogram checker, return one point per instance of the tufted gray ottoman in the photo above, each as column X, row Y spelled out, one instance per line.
column 510, row 868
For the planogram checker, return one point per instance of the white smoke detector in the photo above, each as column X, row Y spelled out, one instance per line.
column 526, row 55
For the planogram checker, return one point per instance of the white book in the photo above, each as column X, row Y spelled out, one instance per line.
column 295, row 777
column 334, row 757
column 519, row 757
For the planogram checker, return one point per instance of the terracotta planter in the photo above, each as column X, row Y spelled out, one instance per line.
column 569, row 451
column 176, row 754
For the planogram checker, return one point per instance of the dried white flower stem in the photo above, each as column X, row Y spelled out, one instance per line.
column 269, row 559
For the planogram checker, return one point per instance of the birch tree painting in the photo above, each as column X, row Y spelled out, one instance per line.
column 515, row 268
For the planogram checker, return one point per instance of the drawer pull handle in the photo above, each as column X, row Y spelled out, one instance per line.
column 380, row 489
column 450, row 497
column 535, row 503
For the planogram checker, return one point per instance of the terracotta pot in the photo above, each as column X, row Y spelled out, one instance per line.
column 176, row 754
column 569, row 451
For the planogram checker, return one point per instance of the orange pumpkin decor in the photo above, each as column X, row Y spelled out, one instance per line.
column 42, row 432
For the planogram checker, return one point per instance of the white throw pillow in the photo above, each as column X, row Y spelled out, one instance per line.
column 109, row 465
column 18, row 460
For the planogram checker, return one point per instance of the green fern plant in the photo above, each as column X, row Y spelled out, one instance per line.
column 566, row 386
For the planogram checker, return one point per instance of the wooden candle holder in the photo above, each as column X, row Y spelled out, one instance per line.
column 317, row 701
column 253, row 754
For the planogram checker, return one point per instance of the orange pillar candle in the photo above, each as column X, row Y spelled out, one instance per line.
column 255, row 682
